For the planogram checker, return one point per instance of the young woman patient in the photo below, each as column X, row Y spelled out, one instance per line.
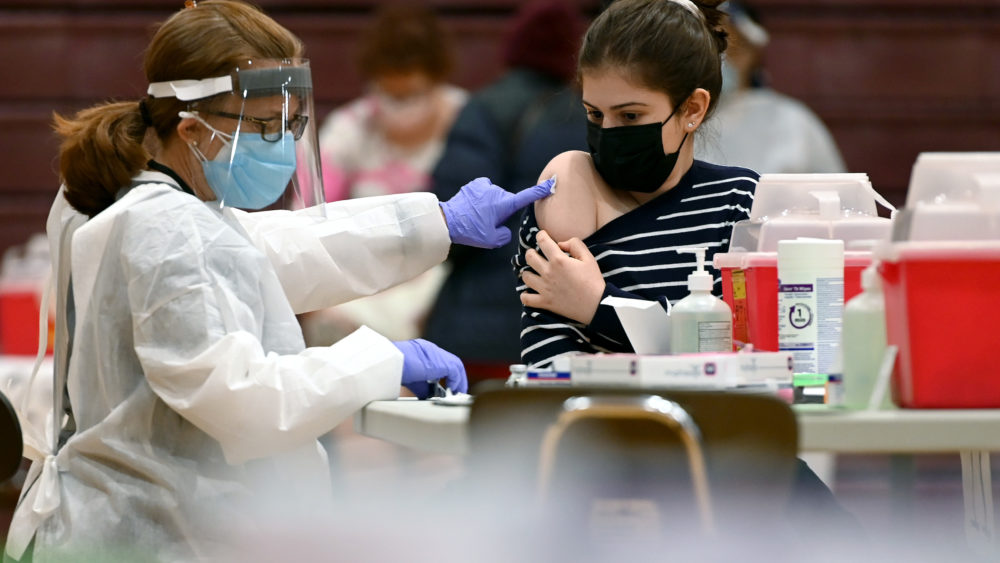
column 650, row 73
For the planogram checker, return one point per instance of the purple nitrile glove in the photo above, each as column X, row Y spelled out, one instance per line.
column 477, row 213
column 425, row 363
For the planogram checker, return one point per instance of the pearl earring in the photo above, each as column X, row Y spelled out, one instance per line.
column 690, row 125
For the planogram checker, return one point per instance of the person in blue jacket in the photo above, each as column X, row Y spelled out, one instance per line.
column 508, row 132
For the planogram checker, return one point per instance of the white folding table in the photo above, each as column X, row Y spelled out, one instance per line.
column 973, row 434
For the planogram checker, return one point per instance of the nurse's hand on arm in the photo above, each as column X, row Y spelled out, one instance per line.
column 568, row 281
column 476, row 215
column 424, row 363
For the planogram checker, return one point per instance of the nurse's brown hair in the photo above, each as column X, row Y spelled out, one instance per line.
column 660, row 44
column 102, row 146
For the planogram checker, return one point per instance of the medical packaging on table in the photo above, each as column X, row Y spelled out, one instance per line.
column 649, row 328
column 701, row 371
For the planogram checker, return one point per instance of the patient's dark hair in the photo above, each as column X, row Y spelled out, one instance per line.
column 662, row 45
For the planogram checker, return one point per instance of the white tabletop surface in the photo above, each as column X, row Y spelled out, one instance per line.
column 426, row 426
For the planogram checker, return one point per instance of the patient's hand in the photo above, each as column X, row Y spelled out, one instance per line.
column 570, row 286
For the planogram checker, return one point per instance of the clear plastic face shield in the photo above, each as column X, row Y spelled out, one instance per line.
column 262, row 116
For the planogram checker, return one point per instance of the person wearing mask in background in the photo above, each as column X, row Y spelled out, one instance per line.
column 189, row 394
column 758, row 127
column 508, row 131
column 387, row 142
column 650, row 72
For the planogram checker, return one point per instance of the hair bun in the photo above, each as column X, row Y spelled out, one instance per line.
column 715, row 20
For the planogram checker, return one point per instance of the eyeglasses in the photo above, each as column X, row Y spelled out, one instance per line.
column 270, row 129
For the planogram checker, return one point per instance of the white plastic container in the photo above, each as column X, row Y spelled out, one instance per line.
column 864, row 342
column 811, row 303
column 827, row 206
column 701, row 322
column 941, row 177
column 952, row 196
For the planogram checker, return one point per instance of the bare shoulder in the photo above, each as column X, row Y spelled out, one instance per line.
column 572, row 210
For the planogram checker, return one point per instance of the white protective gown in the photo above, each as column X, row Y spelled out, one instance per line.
column 192, row 390
column 768, row 132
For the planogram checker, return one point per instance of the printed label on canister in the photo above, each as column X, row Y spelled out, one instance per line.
column 796, row 324
column 809, row 323
column 715, row 336
column 830, row 320
column 810, row 303
column 741, row 327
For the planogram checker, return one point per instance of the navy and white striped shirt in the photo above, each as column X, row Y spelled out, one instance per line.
column 637, row 254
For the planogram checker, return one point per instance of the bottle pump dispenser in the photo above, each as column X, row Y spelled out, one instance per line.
column 701, row 322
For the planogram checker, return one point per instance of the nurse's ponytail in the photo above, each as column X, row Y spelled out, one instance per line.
column 671, row 46
column 101, row 150
column 102, row 147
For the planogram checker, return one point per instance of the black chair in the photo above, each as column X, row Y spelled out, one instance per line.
column 11, row 440
column 665, row 464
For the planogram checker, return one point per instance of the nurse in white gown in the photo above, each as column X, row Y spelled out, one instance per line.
column 190, row 397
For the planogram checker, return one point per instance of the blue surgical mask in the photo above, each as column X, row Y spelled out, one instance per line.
column 252, row 176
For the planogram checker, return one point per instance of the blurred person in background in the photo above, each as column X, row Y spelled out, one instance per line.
column 758, row 127
column 386, row 142
column 509, row 131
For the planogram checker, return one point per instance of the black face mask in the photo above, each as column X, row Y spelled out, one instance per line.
column 631, row 157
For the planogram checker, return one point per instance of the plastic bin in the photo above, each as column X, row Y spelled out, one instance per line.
column 829, row 206
column 23, row 275
column 750, row 288
column 789, row 206
column 19, row 321
column 940, row 300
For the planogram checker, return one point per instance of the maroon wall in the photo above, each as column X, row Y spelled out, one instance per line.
column 890, row 78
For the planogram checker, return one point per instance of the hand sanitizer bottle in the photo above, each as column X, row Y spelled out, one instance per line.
column 701, row 322
column 864, row 342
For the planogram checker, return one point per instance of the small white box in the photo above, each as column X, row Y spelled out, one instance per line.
column 558, row 374
column 700, row 371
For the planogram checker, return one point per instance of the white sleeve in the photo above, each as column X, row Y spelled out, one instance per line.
column 363, row 246
column 257, row 405
column 219, row 344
